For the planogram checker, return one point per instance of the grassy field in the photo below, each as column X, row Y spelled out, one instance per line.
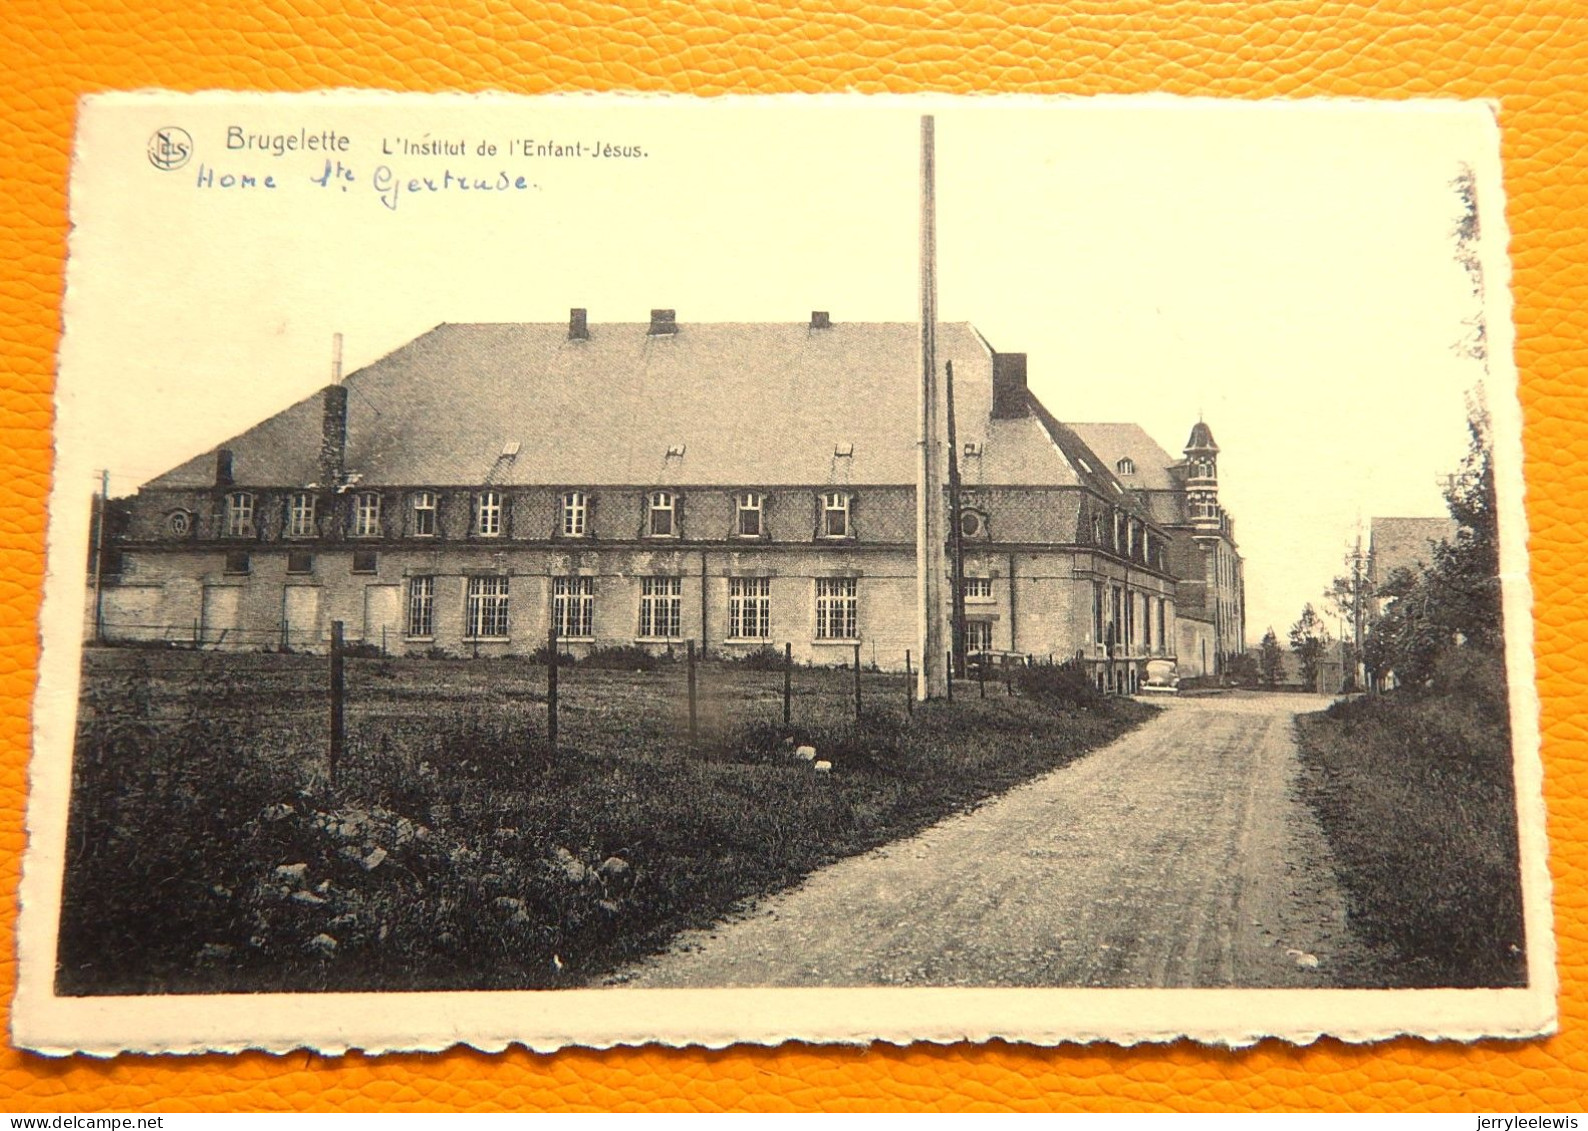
column 210, row 851
column 1415, row 795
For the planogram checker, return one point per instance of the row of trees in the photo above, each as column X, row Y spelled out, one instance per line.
column 1411, row 619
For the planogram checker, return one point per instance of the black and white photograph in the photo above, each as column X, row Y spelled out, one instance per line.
column 581, row 571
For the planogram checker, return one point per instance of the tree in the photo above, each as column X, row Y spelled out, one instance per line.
column 1455, row 602
column 1270, row 658
column 1309, row 638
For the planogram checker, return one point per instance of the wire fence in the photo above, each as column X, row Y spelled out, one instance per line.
column 249, row 678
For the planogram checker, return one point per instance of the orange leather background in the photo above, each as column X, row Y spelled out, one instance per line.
column 1531, row 55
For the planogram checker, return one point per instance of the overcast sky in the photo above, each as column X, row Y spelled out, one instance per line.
column 1285, row 270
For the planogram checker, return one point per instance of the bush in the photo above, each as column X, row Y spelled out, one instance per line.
column 542, row 656
column 621, row 657
column 1059, row 685
column 763, row 659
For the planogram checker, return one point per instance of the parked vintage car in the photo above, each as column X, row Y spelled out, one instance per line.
column 1161, row 678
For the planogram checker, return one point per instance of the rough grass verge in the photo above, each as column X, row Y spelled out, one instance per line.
column 1415, row 795
column 209, row 853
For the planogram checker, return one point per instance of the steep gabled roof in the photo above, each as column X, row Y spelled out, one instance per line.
column 1407, row 543
column 1115, row 442
column 748, row 403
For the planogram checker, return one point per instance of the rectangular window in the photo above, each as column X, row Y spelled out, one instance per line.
column 747, row 519
column 835, row 515
column 425, row 514
column 835, row 608
column 1097, row 612
column 365, row 561
column 573, row 606
column 488, row 514
column 1117, row 617
column 978, row 636
column 237, row 561
column 749, row 608
column 300, row 561
column 366, row 515
column 485, row 613
column 663, row 514
column 978, row 589
column 421, row 607
column 661, row 606
column 300, row 515
column 575, row 514
column 239, row 515
column 1163, row 641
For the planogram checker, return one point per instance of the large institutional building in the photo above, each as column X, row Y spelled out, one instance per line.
column 740, row 485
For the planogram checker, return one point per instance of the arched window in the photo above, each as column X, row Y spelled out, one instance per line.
column 239, row 515
column 488, row 514
column 1126, row 466
column 835, row 514
column 662, row 514
column 300, row 515
column 747, row 515
column 366, row 514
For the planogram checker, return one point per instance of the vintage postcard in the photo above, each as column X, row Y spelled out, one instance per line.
column 615, row 570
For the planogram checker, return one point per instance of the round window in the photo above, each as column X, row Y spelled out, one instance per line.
column 971, row 524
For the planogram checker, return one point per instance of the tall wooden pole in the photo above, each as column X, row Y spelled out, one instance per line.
column 956, row 535
column 929, row 562
column 338, row 694
column 99, row 557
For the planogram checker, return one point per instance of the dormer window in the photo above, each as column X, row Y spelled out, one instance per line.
column 488, row 514
column 366, row 514
column 300, row 515
column 1126, row 466
column 239, row 515
column 747, row 515
column 835, row 514
column 575, row 514
column 425, row 515
column 662, row 514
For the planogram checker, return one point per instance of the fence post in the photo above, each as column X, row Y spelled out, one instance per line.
column 383, row 640
column 857, row 681
column 909, row 685
column 692, row 728
column 950, row 681
column 788, row 677
column 196, row 640
column 284, row 634
column 1009, row 678
column 981, row 675
column 551, row 689
column 338, row 691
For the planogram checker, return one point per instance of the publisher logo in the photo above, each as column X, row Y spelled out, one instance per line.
column 170, row 148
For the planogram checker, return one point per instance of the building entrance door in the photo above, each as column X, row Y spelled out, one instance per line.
column 300, row 616
column 382, row 613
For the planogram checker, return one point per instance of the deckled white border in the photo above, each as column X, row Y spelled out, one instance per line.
column 600, row 1018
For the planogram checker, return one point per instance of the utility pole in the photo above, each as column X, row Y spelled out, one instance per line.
column 99, row 556
column 933, row 682
column 955, row 533
column 1356, row 609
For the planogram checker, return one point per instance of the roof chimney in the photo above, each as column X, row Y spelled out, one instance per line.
column 223, row 467
column 820, row 320
column 664, row 322
column 336, row 358
column 578, row 324
column 1009, row 386
column 333, row 437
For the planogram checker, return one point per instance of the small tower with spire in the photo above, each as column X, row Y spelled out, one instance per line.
column 1202, row 479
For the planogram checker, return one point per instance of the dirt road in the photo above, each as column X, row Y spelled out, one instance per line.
column 1180, row 855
